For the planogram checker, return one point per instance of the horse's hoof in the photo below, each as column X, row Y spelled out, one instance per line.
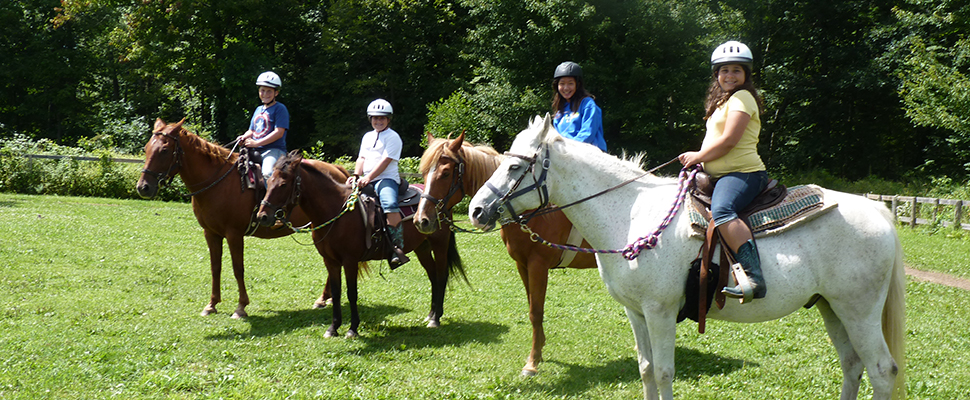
column 352, row 334
column 433, row 323
column 207, row 311
column 322, row 304
column 330, row 333
column 529, row 372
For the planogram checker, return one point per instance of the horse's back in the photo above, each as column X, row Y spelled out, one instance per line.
column 846, row 256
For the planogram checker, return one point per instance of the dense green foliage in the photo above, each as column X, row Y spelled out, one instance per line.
column 101, row 300
column 855, row 88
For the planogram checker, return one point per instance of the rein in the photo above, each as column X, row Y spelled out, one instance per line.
column 632, row 250
column 166, row 177
column 457, row 183
column 349, row 205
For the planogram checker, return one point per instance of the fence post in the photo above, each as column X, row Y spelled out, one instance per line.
column 914, row 212
column 958, row 214
column 895, row 203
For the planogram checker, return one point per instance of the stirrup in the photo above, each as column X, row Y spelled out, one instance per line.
column 398, row 258
column 743, row 284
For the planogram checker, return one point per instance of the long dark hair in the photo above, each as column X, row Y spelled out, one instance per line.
column 717, row 97
column 559, row 102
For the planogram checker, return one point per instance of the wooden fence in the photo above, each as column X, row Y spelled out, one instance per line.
column 937, row 209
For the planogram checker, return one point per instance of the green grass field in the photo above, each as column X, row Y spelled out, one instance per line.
column 101, row 299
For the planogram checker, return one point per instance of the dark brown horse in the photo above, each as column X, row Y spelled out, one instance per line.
column 453, row 169
column 340, row 235
column 223, row 208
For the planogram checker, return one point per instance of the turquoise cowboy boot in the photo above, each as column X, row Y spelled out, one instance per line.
column 398, row 258
column 747, row 272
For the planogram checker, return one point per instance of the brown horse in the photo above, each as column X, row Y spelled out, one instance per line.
column 453, row 169
column 340, row 235
column 222, row 206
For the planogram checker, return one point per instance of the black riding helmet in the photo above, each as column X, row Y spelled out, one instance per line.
column 568, row 68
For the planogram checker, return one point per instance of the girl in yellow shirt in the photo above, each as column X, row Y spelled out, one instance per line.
column 730, row 154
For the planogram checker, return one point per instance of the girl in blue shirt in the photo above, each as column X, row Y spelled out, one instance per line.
column 577, row 116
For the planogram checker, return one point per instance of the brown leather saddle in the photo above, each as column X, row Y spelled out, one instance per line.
column 701, row 287
column 376, row 235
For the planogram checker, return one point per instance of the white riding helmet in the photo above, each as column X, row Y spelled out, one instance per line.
column 380, row 107
column 269, row 78
column 731, row 52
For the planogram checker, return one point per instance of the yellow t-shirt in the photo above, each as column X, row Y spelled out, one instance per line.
column 744, row 156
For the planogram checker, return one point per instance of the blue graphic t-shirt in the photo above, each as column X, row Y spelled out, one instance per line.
column 266, row 120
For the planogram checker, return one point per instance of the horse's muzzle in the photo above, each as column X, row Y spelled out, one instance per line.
column 145, row 189
column 484, row 217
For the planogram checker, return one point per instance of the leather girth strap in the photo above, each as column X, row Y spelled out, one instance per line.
column 711, row 240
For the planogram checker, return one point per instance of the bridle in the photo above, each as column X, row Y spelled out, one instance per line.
column 164, row 178
column 505, row 200
column 457, row 183
column 281, row 214
column 539, row 186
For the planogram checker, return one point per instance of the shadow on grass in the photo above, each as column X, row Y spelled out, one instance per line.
column 577, row 379
column 274, row 322
column 376, row 335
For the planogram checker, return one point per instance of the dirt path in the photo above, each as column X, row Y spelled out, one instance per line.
column 940, row 278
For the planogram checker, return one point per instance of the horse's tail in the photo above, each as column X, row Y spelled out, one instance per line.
column 894, row 320
column 454, row 260
column 363, row 269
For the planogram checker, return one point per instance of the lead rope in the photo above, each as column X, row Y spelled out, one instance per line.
column 632, row 250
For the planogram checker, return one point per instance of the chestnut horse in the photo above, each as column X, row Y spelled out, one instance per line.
column 223, row 208
column 340, row 236
column 454, row 169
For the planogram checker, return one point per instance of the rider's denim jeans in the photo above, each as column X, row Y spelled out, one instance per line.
column 387, row 191
column 733, row 192
column 269, row 161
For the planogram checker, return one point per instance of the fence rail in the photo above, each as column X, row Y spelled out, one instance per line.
column 915, row 203
column 54, row 157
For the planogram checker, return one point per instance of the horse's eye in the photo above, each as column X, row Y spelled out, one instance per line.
column 514, row 167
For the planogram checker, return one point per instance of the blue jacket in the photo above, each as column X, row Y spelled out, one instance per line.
column 584, row 125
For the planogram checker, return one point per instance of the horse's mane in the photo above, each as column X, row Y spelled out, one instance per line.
column 214, row 151
column 482, row 159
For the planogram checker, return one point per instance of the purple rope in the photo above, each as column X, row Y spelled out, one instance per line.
column 632, row 250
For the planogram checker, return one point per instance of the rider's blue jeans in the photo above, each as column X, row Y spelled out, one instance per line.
column 269, row 161
column 387, row 191
column 733, row 192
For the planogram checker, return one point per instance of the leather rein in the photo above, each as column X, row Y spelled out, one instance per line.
column 165, row 178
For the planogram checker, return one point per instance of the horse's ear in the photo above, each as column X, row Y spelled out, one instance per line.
column 159, row 124
column 546, row 124
column 455, row 145
column 430, row 137
column 177, row 128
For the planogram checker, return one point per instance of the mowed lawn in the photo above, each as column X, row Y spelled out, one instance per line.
column 100, row 298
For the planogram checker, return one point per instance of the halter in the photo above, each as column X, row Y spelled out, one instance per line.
column 166, row 177
column 457, row 183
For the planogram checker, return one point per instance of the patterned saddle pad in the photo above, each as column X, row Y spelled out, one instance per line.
column 802, row 204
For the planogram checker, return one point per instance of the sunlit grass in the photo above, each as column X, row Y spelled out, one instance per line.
column 101, row 299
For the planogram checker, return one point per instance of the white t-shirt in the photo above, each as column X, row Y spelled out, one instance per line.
column 375, row 147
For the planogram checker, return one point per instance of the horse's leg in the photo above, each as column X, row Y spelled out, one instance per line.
column 536, row 282
column 214, row 242
column 862, row 319
column 352, row 270
column 333, row 279
column 849, row 360
column 435, row 264
column 236, row 254
column 326, row 298
column 644, row 353
column 661, row 322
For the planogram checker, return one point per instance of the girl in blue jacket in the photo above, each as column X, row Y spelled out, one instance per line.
column 577, row 116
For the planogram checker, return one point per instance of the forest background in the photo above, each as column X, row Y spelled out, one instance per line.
column 853, row 88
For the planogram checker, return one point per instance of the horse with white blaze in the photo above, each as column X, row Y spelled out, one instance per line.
column 849, row 258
